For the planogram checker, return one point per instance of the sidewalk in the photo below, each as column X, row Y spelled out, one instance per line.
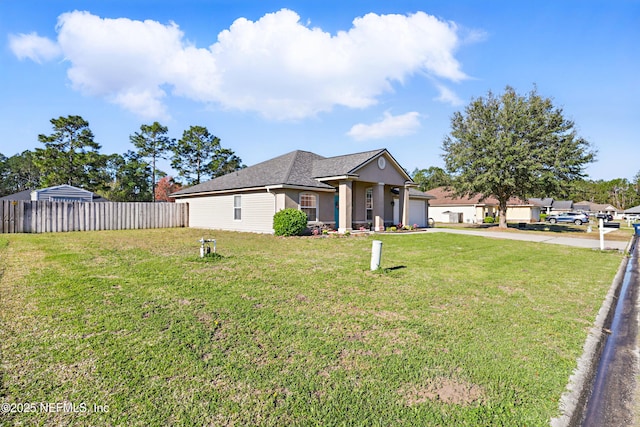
column 540, row 238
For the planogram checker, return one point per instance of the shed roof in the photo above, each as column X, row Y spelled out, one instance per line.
column 26, row 194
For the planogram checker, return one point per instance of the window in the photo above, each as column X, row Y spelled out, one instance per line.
column 237, row 208
column 309, row 205
column 368, row 203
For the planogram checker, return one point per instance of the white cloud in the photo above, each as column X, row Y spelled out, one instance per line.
column 389, row 126
column 275, row 66
column 33, row 47
column 131, row 63
column 448, row 96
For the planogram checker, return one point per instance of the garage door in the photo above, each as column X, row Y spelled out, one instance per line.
column 417, row 213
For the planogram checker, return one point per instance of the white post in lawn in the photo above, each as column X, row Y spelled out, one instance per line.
column 376, row 254
column 601, row 227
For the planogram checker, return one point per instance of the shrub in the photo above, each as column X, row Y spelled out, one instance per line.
column 489, row 220
column 543, row 217
column 289, row 222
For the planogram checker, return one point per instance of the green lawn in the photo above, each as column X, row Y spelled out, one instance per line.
column 457, row 330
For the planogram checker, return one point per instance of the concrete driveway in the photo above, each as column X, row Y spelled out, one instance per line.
column 592, row 243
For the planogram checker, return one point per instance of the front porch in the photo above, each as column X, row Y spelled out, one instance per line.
column 370, row 205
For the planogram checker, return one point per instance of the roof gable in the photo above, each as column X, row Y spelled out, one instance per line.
column 343, row 165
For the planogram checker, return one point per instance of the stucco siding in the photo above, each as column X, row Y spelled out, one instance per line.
column 389, row 175
column 359, row 210
column 327, row 207
column 217, row 212
column 325, row 200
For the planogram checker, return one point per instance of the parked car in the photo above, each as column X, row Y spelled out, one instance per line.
column 605, row 216
column 578, row 218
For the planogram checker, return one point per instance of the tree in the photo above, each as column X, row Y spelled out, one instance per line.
column 430, row 178
column 166, row 185
column 71, row 156
column 18, row 173
column 198, row 155
column 152, row 142
column 129, row 178
column 514, row 146
column 636, row 189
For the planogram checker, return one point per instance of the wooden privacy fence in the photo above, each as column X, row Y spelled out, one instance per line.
column 25, row 216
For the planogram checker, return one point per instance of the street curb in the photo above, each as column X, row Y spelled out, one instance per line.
column 573, row 401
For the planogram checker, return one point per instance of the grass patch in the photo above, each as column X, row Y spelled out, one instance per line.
column 454, row 330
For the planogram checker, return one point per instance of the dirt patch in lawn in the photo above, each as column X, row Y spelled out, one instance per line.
column 446, row 390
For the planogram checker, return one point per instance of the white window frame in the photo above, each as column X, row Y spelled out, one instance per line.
column 368, row 204
column 237, row 208
column 315, row 207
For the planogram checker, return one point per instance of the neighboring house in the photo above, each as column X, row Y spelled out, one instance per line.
column 58, row 193
column 445, row 207
column 633, row 212
column 596, row 208
column 549, row 206
column 561, row 206
column 545, row 204
column 368, row 189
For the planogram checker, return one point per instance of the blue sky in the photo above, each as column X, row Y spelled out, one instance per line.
column 332, row 77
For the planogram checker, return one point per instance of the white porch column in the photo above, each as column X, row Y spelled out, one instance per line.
column 345, row 206
column 378, row 207
column 404, row 201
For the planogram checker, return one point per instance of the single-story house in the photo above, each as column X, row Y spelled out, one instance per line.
column 550, row 206
column 368, row 189
column 545, row 204
column 561, row 206
column 58, row 193
column 445, row 207
column 633, row 213
column 596, row 208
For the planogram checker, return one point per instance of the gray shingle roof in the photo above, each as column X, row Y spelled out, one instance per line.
column 21, row 195
column 633, row 210
column 297, row 168
column 543, row 203
column 342, row 165
column 562, row 205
